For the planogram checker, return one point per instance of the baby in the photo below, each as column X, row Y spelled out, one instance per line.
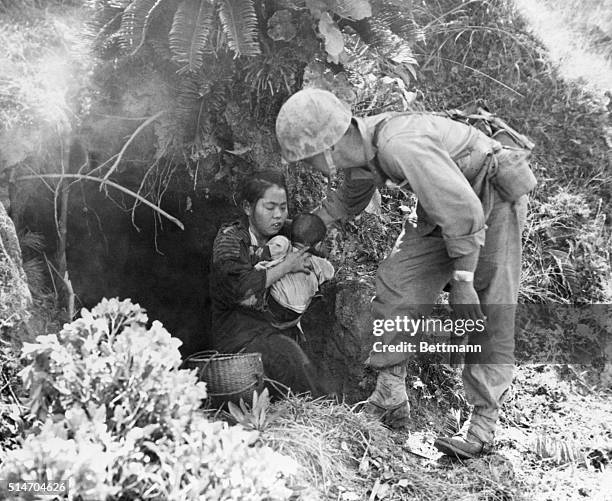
column 291, row 295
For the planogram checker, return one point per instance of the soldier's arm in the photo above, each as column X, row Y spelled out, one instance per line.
column 351, row 198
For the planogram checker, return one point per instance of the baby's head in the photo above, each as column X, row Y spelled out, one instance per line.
column 278, row 246
column 308, row 230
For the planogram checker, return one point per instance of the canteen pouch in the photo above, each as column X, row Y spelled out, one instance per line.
column 511, row 174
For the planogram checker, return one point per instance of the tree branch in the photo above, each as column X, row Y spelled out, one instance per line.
column 127, row 143
column 114, row 185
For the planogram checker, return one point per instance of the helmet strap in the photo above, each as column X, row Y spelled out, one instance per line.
column 333, row 171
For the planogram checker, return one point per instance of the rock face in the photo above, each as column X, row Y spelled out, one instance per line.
column 339, row 332
column 15, row 297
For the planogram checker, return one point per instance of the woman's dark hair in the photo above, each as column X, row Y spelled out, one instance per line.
column 308, row 229
column 256, row 185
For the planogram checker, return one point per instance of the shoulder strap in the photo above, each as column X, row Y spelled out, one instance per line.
column 374, row 164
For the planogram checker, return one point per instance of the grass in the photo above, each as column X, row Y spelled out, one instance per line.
column 550, row 446
column 326, row 439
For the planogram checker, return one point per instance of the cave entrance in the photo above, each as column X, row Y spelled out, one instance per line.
column 114, row 252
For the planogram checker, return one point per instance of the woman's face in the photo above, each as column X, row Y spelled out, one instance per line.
column 269, row 213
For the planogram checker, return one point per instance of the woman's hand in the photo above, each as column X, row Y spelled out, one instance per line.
column 295, row 262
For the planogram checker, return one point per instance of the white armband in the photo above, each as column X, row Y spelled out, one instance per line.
column 463, row 276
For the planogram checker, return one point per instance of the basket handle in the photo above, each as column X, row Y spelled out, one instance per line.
column 212, row 353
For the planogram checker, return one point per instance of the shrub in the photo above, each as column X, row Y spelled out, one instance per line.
column 108, row 358
column 121, row 420
column 566, row 252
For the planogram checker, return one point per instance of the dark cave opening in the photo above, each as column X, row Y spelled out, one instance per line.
column 111, row 253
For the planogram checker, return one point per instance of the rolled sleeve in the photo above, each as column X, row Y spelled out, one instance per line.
column 465, row 245
column 443, row 191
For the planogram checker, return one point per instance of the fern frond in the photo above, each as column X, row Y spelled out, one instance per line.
column 239, row 22
column 188, row 103
column 190, row 31
column 102, row 17
column 35, row 271
column 134, row 23
column 557, row 450
column 31, row 240
column 399, row 22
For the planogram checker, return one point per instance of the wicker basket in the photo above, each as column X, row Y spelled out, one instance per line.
column 228, row 376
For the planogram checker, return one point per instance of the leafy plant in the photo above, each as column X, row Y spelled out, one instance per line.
column 567, row 257
column 108, row 358
column 126, row 422
column 256, row 417
column 188, row 36
column 216, row 54
column 12, row 423
column 558, row 451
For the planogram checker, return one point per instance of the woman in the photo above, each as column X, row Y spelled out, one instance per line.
column 238, row 290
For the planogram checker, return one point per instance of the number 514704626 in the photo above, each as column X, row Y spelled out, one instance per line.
column 42, row 488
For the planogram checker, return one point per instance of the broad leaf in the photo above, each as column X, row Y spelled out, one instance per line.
column 316, row 7
column 280, row 26
column 236, row 412
column 334, row 41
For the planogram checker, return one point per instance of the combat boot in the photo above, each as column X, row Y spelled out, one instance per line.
column 389, row 401
column 468, row 442
column 458, row 447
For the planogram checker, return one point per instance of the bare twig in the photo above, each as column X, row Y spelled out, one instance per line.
column 119, row 117
column 148, row 121
column 37, row 176
column 99, row 167
column 140, row 190
column 50, row 267
column 114, row 185
column 8, row 383
column 62, row 191
column 69, row 297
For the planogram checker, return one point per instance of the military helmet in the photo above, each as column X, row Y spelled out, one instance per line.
column 310, row 122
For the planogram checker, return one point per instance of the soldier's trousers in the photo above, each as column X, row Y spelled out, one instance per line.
column 410, row 280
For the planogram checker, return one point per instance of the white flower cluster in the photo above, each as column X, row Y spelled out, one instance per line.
column 121, row 420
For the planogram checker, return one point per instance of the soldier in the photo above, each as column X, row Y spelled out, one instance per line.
column 472, row 205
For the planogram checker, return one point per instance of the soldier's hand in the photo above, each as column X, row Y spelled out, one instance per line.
column 464, row 300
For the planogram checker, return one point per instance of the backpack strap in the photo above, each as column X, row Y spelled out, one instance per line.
column 374, row 165
column 380, row 176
